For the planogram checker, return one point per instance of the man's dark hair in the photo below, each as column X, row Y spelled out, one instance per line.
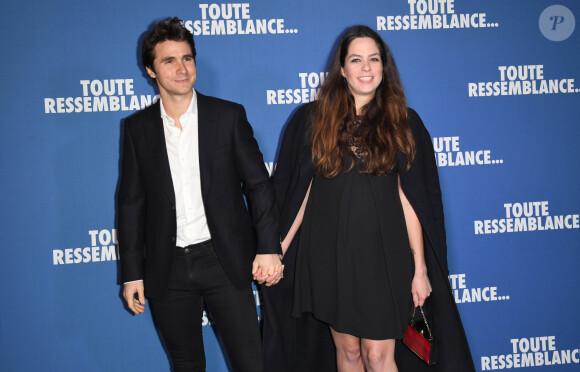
column 167, row 29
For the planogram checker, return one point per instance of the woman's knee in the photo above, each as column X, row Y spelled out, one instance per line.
column 347, row 346
column 374, row 358
column 352, row 352
column 378, row 354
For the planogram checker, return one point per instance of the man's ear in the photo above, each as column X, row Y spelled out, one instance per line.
column 151, row 73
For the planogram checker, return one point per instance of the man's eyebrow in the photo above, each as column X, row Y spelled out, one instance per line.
column 173, row 57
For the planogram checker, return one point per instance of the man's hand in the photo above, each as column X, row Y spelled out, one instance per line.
column 136, row 304
column 267, row 268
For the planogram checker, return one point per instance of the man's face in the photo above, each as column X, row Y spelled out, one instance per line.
column 173, row 68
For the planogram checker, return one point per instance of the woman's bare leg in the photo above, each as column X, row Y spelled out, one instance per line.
column 379, row 355
column 348, row 352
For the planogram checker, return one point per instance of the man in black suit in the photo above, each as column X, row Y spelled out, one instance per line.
column 185, row 234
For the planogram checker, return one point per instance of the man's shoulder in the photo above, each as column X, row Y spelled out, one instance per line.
column 214, row 102
column 151, row 111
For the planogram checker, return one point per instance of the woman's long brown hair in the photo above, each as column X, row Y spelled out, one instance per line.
column 383, row 129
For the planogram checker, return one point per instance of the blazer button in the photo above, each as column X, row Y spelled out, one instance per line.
column 173, row 239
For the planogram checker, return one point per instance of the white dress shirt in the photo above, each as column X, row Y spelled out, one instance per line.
column 183, row 153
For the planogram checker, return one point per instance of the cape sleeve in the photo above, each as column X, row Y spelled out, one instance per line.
column 293, row 168
column 421, row 186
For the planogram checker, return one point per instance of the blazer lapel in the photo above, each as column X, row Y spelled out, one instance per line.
column 156, row 138
column 208, row 129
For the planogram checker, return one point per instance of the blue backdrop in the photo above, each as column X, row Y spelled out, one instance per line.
column 496, row 83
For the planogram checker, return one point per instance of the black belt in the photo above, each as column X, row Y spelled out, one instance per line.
column 185, row 250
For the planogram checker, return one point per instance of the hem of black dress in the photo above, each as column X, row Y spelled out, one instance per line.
column 344, row 330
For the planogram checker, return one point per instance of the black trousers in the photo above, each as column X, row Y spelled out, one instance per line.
column 198, row 277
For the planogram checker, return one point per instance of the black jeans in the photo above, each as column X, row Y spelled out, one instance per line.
column 198, row 275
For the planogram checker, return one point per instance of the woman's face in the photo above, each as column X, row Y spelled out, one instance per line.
column 363, row 69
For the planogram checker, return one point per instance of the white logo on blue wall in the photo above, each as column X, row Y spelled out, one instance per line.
column 521, row 80
column 448, row 154
column 433, row 15
column 100, row 95
column 234, row 19
column 527, row 216
column 310, row 84
column 537, row 351
column 103, row 247
column 269, row 167
column 466, row 294
column 557, row 23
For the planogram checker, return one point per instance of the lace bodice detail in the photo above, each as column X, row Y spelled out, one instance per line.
column 353, row 140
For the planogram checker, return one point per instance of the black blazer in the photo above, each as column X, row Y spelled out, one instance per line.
column 231, row 165
column 421, row 187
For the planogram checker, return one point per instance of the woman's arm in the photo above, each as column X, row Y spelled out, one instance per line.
column 296, row 224
column 420, row 287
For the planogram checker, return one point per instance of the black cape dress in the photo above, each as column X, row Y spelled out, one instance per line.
column 354, row 265
column 305, row 344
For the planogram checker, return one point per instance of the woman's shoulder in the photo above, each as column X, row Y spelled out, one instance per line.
column 414, row 121
column 301, row 118
column 304, row 112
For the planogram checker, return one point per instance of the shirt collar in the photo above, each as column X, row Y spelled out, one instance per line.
column 192, row 109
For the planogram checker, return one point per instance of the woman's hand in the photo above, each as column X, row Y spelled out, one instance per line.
column 268, row 269
column 420, row 287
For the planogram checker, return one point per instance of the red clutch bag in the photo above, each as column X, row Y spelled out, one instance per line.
column 419, row 339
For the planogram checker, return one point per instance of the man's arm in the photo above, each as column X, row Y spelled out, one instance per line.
column 260, row 195
column 131, row 202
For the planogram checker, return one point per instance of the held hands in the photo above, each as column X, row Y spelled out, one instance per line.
column 420, row 287
column 267, row 268
column 136, row 304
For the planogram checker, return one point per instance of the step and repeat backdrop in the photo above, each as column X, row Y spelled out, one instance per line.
column 496, row 82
